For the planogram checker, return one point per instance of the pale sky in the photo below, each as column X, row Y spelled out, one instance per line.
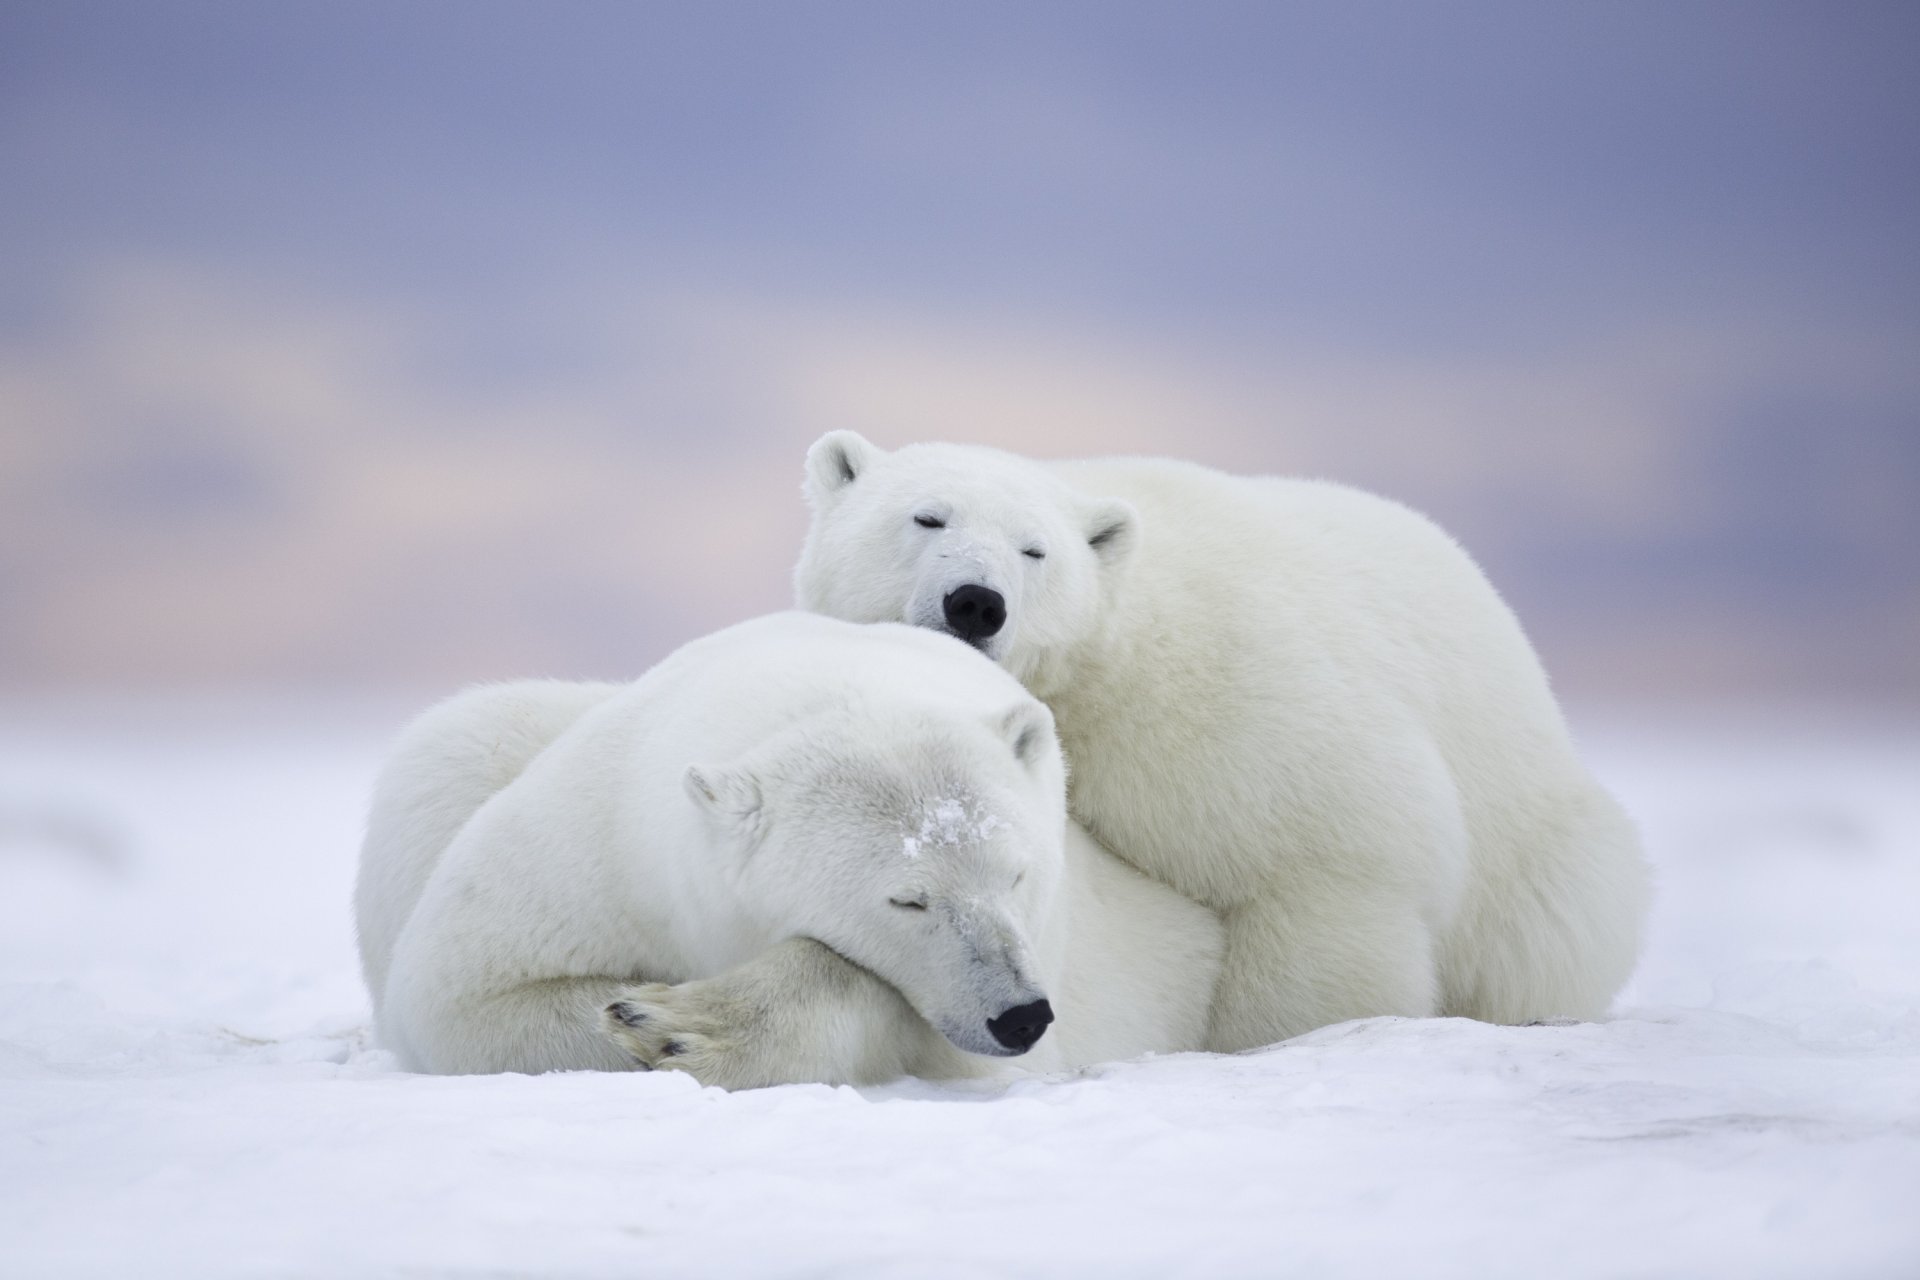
column 364, row 344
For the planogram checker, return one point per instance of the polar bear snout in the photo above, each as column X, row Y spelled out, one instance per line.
column 975, row 613
column 1020, row 1028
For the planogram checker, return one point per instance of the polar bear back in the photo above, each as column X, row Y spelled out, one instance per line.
column 1343, row 620
column 1297, row 569
column 448, row 762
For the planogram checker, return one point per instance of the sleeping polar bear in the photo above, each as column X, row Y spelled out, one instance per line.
column 1299, row 704
column 795, row 850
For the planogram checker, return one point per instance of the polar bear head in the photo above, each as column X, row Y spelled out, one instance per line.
column 924, row 846
column 980, row 544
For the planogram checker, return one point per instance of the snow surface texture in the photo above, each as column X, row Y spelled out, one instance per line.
column 187, row 1088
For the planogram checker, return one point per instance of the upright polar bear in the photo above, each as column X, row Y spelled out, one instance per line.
column 694, row 855
column 1297, row 703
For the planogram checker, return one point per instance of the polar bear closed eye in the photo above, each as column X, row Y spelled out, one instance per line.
column 796, row 850
column 1297, row 703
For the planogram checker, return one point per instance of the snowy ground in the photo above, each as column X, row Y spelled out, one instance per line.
column 186, row 1086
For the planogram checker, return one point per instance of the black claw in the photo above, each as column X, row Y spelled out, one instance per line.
column 627, row 1013
column 672, row 1049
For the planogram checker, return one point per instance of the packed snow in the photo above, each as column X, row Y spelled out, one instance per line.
column 189, row 1087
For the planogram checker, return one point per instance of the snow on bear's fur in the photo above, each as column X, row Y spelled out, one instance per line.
column 675, row 873
column 1299, row 704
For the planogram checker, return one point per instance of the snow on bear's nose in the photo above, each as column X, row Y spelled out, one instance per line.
column 975, row 613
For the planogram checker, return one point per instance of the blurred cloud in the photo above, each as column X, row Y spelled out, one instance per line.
column 418, row 345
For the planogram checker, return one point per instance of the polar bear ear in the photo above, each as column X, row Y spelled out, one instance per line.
column 835, row 461
column 1113, row 528
column 730, row 795
column 1026, row 728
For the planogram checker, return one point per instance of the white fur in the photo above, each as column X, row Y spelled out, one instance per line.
column 1297, row 703
column 789, row 852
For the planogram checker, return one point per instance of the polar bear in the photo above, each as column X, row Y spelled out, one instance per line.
column 796, row 850
column 1297, row 703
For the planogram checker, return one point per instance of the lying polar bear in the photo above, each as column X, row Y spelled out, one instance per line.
column 677, row 873
column 1297, row 703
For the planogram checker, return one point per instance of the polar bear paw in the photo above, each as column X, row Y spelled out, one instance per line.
column 681, row 1028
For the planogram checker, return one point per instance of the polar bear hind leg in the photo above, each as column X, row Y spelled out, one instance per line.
column 1307, row 960
column 1559, row 934
column 448, row 762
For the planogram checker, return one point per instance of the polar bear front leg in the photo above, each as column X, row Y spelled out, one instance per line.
column 437, row 1025
column 1304, row 961
column 798, row 1012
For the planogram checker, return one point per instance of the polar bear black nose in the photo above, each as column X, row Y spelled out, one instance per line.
column 1021, row 1027
column 975, row 612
